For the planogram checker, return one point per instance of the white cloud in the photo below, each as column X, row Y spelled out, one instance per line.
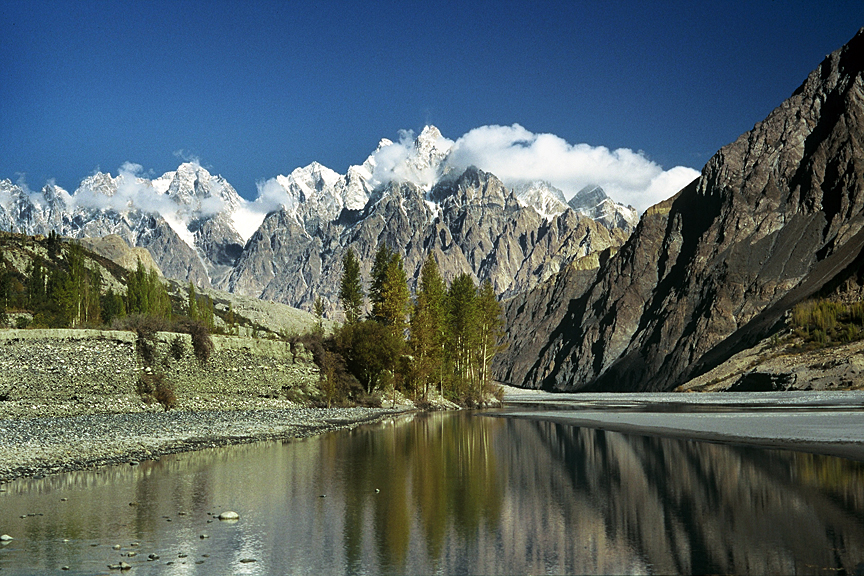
column 249, row 215
column 403, row 162
column 516, row 155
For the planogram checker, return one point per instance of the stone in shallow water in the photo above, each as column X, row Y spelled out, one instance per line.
column 5, row 538
column 230, row 515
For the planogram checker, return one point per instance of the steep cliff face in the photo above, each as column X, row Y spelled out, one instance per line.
column 774, row 216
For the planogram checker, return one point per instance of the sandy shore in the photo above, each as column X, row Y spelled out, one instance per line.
column 820, row 422
column 33, row 447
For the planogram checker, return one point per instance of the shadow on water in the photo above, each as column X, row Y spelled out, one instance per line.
column 450, row 493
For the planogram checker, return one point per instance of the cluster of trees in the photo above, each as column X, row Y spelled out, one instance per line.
column 66, row 293
column 200, row 308
column 827, row 322
column 445, row 338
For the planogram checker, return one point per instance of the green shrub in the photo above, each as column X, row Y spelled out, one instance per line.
column 178, row 349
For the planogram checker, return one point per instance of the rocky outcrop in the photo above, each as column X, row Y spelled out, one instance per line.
column 118, row 251
column 775, row 217
column 785, row 364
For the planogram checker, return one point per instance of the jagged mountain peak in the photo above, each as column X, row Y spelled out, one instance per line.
column 472, row 187
column 588, row 197
column 593, row 202
column 546, row 199
column 99, row 183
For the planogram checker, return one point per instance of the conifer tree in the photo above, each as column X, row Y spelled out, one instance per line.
column 350, row 288
column 379, row 275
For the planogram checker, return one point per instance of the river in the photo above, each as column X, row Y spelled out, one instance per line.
column 450, row 493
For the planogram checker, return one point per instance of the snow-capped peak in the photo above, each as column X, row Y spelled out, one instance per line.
column 417, row 160
column 593, row 202
column 547, row 200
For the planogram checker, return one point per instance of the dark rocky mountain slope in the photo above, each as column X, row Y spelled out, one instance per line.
column 775, row 217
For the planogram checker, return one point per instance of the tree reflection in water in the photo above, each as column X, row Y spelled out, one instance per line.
column 496, row 495
column 454, row 493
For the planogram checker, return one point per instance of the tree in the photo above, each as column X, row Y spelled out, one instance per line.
column 113, row 306
column 490, row 332
column 462, row 331
column 389, row 290
column 78, row 291
column 318, row 308
column 37, row 282
column 5, row 288
column 192, row 303
column 428, row 328
column 146, row 295
column 393, row 307
column 231, row 319
column 379, row 275
column 350, row 288
column 370, row 349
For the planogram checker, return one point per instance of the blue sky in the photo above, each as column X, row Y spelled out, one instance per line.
column 255, row 89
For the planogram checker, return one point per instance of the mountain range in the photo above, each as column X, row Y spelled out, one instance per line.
column 287, row 245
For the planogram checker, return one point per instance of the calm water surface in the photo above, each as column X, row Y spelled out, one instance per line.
column 448, row 493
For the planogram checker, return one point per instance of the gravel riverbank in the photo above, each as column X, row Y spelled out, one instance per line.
column 38, row 446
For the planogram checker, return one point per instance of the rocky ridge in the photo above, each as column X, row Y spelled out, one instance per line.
column 774, row 218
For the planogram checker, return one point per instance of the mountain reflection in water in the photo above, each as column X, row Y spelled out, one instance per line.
column 450, row 493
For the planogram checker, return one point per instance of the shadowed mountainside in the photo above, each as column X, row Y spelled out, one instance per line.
column 775, row 217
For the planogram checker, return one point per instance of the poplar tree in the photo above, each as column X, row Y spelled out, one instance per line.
column 318, row 309
column 113, row 306
column 192, row 304
column 37, row 281
column 350, row 288
column 145, row 294
column 428, row 327
column 490, row 331
column 462, row 330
